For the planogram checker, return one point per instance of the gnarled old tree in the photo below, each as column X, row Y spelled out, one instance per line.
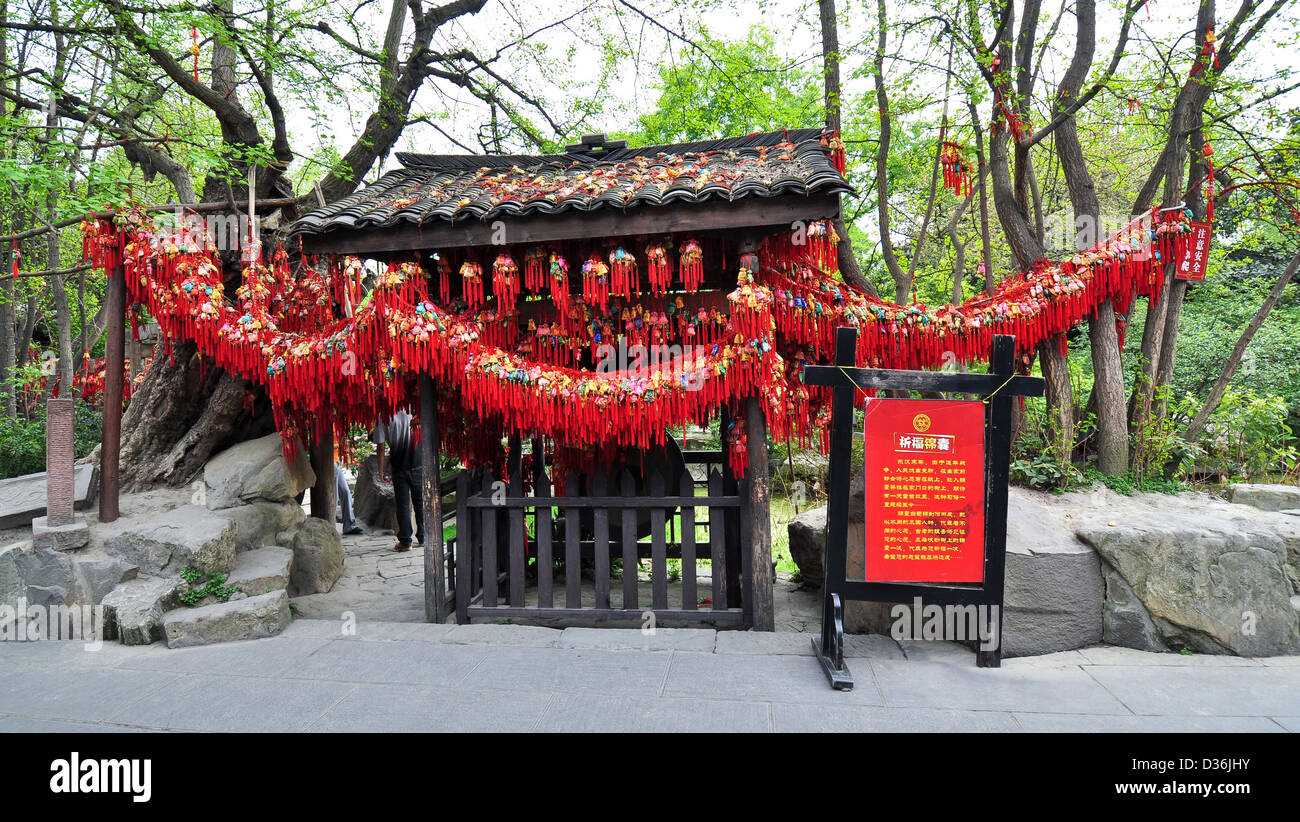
column 187, row 409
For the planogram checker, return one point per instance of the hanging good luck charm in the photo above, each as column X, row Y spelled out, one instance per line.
column 691, row 263
column 505, row 282
column 957, row 172
column 595, row 281
column 472, row 283
column 559, row 282
column 823, row 244
column 535, row 269
column 623, row 279
column 658, row 269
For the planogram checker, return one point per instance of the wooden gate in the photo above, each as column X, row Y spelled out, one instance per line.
column 535, row 555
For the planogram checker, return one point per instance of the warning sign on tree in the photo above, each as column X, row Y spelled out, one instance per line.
column 1196, row 253
column 924, row 491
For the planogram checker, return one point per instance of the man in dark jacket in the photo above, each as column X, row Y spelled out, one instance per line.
column 404, row 462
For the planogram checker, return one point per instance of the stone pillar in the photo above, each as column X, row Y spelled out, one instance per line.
column 60, row 528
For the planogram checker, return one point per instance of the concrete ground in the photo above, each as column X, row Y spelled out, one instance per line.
column 388, row 676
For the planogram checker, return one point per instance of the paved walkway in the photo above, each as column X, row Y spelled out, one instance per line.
column 423, row 677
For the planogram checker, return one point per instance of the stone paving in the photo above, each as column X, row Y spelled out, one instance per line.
column 412, row 676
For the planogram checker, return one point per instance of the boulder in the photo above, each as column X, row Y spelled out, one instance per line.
column 1206, row 581
column 1265, row 497
column 252, row 617
column 372, row 499
column 36, row 576
column 255, row 470
column 262, row 570
column 98, row 577
column 808, row 545
column 23, row 498
column 1053, row 591
column 133, row 611
column 259, row 522
column 167, row 542
column 317, row 556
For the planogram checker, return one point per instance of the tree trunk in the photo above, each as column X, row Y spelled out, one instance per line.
column 185, row 411
column 848, row 262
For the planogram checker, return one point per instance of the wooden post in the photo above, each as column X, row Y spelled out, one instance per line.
column 760, row 518
column 114, row 356
column 435, row 565
column 322, row 465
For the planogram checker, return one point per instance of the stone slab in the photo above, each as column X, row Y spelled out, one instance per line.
column 67, row 537
column 944, row 685
column 625, row 639
column 411, row 663
column 503, row 635
column 169, row 541
column 1266, row 497
column 23, row 498
column 233, row 704
column 422, row 709
column 629, row 673
column 255, row 617
column 601, row 713
column 262, row 570
column 1203, row 690
column 133, row 611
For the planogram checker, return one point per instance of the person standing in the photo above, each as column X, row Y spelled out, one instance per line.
column 344, row 494
column 405, row 469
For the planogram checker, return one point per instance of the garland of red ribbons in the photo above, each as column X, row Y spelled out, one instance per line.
column 496, row 377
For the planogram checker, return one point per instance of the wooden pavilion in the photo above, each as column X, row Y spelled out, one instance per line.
column 454, row 214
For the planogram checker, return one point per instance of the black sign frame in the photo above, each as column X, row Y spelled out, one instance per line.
column 998, row 388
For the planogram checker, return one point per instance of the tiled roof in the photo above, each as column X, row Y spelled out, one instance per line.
column 456, row 187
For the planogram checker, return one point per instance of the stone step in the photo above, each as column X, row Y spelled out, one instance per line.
column 133, row 611
column 165, row 543
column 249, row 618
column 23, row 498
column 262, row 570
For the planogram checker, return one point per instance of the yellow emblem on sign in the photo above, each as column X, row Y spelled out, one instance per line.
column 921, row 422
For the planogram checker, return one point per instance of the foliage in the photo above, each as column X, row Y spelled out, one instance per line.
column 200, row 588
column 22, row 439
column 1247, row 437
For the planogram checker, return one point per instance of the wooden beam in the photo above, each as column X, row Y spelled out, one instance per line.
column 114, row 378
column 322, row 464
column 760, row 518
column 712, row 215
column 435, row 565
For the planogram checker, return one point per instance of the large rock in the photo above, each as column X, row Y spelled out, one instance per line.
column 808, row 545
column 317, row 556
column 133, row 612
column 1206, row 580
column 260, row 522
column 1053, row 591
column 255, row 470
column 36, row 576
column 167, row 542
column 262, row 570
column 98, row 577
column 248, row 618
column 1265, row 497
column 23, row 498
column 372, row 499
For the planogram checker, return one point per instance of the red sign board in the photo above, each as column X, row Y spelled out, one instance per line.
column 924, row 491
column 1196, row 252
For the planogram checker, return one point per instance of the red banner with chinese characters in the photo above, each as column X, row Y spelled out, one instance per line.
column 1196, row 253
column 924, row 491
